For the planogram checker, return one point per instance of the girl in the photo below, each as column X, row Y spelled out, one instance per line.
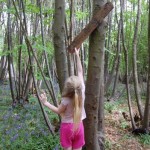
column 71, row 110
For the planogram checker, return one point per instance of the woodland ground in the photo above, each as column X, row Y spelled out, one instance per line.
column 23, row 128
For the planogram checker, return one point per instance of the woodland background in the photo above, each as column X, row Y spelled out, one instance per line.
column 34, row 36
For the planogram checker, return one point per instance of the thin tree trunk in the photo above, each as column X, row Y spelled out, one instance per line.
column 106, row 72
column 135, row 71
column 146, row 120
column 29, row 76
column 127, row 68
column 118, row 59
column 4, row 61
column 9, row 55
column 46, row 60
column 71, row 36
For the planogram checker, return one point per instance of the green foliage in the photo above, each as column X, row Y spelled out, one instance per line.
column 3, row 0
column 32, row 8
column 124, row 125
column 110, row 106
column 81, row 15
column 144, row 139
column 108, row 145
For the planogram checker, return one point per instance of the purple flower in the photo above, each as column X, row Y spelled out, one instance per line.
column 14, row 138
column 26, row 135
column 18, row 127
column 56, row 148
column 32, row 133
column 17, row 117
column 8, row 132
column 5, row 117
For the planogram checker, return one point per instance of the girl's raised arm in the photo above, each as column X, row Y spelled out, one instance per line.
column 79, row 65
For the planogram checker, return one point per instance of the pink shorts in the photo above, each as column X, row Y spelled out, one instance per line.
column 68, row 138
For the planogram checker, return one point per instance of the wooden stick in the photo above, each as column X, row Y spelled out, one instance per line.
column 91, row 26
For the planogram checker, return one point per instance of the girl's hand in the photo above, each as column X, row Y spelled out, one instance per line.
column 43, row 98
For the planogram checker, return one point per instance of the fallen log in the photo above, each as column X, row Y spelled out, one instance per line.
column 91, row 26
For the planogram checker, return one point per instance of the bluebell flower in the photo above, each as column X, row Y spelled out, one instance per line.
column 17, row 117
column 6, row 116
column 26, row 136
column 32, row 133
column 14, row 138
column 56, row 148
column 10, row 109
column 8, row 132
column 18, row 127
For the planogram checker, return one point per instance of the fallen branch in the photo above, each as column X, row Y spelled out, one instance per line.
column 90, row 27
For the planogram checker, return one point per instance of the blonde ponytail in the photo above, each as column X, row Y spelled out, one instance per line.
column 77, row 102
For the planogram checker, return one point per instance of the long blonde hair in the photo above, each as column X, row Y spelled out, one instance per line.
column 73, row 89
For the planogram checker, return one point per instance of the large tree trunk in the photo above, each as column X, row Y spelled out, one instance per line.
column 59, row 42
column 94, row 123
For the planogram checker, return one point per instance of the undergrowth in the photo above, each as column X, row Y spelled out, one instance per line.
column 24, row 128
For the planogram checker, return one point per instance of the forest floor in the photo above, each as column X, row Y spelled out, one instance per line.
column 118, row 130
column 25, row 128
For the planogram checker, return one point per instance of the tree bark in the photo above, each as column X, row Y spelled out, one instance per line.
column 146, row 120
column 94, row 123
column 126, row 66
column 59, row 42
column 9, row 55
column 135, row 71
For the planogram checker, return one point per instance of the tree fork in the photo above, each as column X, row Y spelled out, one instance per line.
column 90, row 27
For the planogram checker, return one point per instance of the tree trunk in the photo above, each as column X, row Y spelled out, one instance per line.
column 135, row 71
column 118, row 58
column 4, row 61
column 94, row 123
column 126, row 66
column 146, row 120
column 59, row 42
column 9, row 55
column 107, row 45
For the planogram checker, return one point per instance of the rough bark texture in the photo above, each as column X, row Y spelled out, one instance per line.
column 59, row 42
column 94, row 123
column 95, row 21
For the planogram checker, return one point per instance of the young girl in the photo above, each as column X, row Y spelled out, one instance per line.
column 71, row 110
